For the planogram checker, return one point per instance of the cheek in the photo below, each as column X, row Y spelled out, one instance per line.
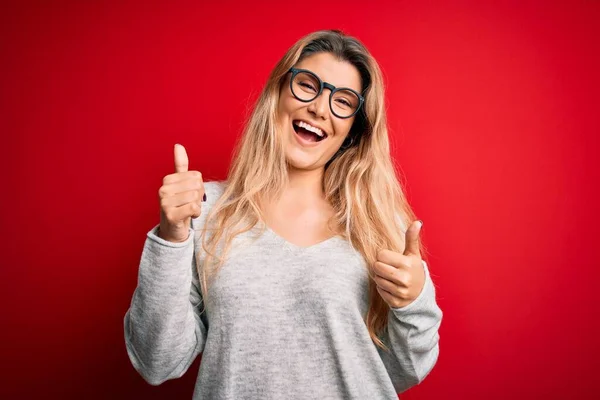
column 286, row 106
column 342, row 129
column 282, row 112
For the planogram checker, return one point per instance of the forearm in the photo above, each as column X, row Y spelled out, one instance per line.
column 161, row 326
column 413, row 338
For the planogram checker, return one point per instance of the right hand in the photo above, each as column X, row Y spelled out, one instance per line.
column 180, row 199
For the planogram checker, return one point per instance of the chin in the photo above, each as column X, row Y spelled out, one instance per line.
column 300, row 160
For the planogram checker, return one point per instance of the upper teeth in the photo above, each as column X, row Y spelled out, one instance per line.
column 311, row 128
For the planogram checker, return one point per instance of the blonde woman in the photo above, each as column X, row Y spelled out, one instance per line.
column 301, row 276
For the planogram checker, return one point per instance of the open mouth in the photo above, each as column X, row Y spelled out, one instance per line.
column 308, row 132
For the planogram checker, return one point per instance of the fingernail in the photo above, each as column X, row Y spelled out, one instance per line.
column 204, row 197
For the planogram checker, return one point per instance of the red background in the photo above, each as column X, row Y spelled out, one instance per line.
column 493, row 111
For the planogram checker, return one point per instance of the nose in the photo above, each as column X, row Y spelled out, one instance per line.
column 319, row 107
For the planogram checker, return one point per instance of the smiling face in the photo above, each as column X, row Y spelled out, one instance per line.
column 302, row 123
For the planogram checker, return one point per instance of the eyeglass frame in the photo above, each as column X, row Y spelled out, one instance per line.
column 332, row 89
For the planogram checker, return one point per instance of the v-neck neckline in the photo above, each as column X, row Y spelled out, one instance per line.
column 296, row 247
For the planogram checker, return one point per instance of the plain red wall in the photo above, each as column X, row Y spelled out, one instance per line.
column 493, row 111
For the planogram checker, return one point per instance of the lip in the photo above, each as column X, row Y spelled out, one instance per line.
column 312, row 124
column 303, row 142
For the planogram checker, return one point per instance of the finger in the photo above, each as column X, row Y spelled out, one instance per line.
column 185, row 211
column 181, row 187
column 181, row 158
column 393, row 258
column 194, row 209
column 390, row 287
column 412, row 239
column 388, row 297
column 390, row 273
column 181, row 176
column 181, row 199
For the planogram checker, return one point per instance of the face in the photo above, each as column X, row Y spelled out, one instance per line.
column 293, row 114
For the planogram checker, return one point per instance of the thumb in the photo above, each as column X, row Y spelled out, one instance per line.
column 412, row 239
column 181, row 159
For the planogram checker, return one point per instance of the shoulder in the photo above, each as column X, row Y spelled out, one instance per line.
column 213, row 190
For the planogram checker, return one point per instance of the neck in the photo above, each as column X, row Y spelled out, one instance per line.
column 305, row 185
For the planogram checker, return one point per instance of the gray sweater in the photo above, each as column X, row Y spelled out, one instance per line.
column 284, row 322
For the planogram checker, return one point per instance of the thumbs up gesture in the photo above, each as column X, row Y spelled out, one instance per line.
column 401, row 277
column 180, row 197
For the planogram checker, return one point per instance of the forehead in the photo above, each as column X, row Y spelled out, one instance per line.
column 330, row 69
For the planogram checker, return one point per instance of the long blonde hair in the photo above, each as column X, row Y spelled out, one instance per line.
column 360, row 181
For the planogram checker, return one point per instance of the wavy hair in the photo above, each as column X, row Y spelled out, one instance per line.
column 360, row 181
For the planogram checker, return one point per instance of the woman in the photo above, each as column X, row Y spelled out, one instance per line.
column 297, row 277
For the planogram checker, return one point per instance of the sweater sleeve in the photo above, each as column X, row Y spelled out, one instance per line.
column 165, row 326
column 413, row 339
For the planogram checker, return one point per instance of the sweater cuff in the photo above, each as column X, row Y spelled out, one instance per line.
column 423, row 299
column 153, row 235
column 166, row 263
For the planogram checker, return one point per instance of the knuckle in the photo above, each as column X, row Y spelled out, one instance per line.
column 403, row 279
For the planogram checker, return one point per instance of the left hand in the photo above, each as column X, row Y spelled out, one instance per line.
column 401, row 277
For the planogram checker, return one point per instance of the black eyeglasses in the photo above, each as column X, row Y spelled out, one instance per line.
column 307, row 86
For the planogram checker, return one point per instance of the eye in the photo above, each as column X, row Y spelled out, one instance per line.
column 343, row 102
column 308, row 85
